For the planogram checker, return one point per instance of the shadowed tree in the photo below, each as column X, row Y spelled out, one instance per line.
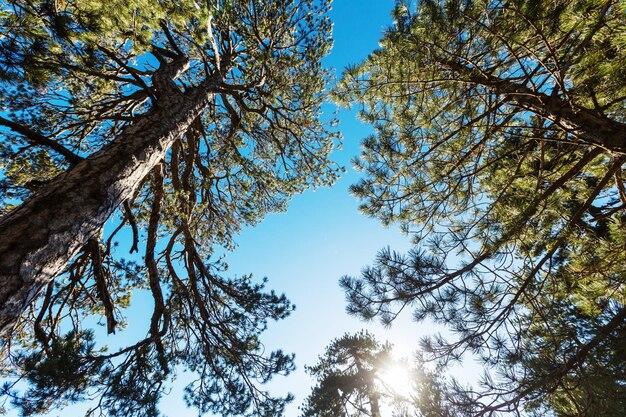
column 352, row 382
column 499, row 146
column 178, row 123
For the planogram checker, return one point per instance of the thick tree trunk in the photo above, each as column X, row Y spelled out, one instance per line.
column 580, row 122
column 38, row 238
column 585, row 124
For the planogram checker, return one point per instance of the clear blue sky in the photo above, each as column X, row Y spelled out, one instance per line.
column 322, row 236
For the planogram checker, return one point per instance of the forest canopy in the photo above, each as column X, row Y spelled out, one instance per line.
column 138, row 138
column 499, row 146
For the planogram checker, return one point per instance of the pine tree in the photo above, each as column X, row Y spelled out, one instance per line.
column 350, row 383
column 499, row 145
column 178, row 123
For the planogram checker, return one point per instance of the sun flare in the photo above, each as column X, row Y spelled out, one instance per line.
column 396, row 378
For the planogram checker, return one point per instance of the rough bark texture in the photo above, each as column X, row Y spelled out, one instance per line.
column 38, row 238
column 583, row 123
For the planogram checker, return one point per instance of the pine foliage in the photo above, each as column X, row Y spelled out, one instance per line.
column 73, row 75
column 499, row 146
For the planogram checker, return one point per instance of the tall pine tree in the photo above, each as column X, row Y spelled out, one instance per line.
column 178, row 123
column 499, row 145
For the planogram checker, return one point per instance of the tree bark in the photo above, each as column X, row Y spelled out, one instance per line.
column 585, row 124
column 39, row 238
column 374, row 406
column 370, row 388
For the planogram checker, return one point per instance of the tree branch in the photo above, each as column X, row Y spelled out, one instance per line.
column 39, row 139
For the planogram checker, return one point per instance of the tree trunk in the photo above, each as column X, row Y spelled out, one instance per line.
column 585, row 124
column 39, row 238
column 374, row 406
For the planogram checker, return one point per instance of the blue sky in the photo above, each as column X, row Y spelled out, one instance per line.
column 321, row 237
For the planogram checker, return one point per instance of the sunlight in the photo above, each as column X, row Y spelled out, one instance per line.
column 396, row 379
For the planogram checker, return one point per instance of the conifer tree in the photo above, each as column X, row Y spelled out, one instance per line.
column 499, row 146
column 351, row 383
column 178, row 123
